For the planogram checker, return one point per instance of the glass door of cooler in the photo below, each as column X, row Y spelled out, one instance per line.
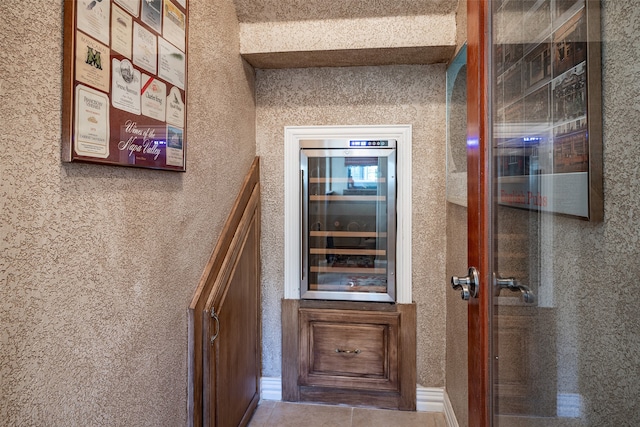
column 348, row 218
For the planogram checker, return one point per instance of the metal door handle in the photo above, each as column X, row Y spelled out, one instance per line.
column 214, row 316
column 356, row 351
column 513, row 285
column 468, row 285
column 303, row 232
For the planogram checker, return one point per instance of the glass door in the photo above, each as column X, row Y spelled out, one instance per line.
column 544, row 82
column 348, row 217
column 553, row 319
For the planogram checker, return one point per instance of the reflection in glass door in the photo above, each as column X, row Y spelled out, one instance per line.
column 541, row 166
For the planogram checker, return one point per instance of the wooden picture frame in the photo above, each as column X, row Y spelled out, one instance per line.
column 125, row 83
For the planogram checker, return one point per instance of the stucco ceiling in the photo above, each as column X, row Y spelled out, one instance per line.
column 300, row 10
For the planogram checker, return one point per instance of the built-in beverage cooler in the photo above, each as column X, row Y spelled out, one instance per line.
column 348, row 213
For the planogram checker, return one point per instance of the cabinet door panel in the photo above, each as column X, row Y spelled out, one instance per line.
column 354, row 349
column 232, row 350
column 238, row 344
column 351, row 350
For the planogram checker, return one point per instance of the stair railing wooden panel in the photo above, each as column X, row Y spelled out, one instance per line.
column 231, row 363
column 205, row 287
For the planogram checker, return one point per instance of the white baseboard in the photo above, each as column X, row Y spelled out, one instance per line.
column 271, row 388
column 449, row 414
column 428, row 399
column 570, row 405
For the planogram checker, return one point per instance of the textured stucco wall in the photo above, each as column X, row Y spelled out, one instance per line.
column 320, row 35
column 456, row 341
column 98, row 263
column 327, row 33
column 461, row 24
column 302, row 10
column 606, row 255
column 589, row 271
column 457, row 347
column 359, row 96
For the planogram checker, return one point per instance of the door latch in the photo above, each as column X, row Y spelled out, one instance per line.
column 512, row 284
column 467, row 285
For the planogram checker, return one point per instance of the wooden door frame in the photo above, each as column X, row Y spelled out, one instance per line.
column 479, row 210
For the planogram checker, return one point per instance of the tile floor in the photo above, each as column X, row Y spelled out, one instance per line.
column 284, row 414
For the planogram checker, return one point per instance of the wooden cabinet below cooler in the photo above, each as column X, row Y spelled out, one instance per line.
column 361, row 354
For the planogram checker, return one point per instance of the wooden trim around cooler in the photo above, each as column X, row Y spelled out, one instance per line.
column 388, row 382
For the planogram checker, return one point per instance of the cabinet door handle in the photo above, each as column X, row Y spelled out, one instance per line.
column 356, row 351
column 302, row 241
column 214, row 316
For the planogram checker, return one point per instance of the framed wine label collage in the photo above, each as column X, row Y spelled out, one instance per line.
column 125, row 83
